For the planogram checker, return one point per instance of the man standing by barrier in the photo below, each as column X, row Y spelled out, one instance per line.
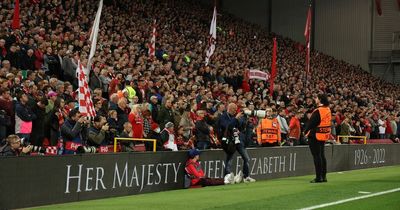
column 230, row 124
column 318, row 130
column 268, row 130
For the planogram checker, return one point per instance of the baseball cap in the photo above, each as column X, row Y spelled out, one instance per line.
column 193, row 152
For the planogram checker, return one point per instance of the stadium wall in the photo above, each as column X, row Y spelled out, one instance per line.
column 347, row 30
column 43, row 180
column 254, row 11
column 385, row 25
column 343, row 29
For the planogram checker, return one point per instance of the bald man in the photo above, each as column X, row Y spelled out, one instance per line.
column 231, row 123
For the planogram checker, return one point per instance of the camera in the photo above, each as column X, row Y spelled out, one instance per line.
column 224, row 139
column 86, row 149
column 236, row 133
column 255, row 113
column 38, row 149
column 35, row 149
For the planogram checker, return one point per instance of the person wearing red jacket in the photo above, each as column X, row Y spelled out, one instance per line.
column 137, row 121
column 295, row 129
column 194, row 174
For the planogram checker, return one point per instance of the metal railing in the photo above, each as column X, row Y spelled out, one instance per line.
column 353, row 137
column 134, row 139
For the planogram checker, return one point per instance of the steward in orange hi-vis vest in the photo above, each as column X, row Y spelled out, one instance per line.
column 323, row 131
column 268, row 130
column 318, row 130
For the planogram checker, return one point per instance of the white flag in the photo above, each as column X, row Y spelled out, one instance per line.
column 213, row 37
column 93, row 36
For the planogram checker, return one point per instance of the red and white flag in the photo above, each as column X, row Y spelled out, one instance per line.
column 152, row 44
column 273, row 68
column 93, row 36
column 307, row 35
column 257, row 74
column 16, row 21
column 86, row 107
column 212, row 37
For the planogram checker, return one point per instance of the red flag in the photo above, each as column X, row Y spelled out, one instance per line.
column 307, row 35
column 16, row 22
column 273, row 69
column 398, row 3
column 378, row 7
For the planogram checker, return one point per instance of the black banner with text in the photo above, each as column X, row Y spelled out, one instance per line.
column 43, row 180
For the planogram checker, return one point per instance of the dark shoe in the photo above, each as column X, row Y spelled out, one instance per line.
column 316, row 181
column 324, row 180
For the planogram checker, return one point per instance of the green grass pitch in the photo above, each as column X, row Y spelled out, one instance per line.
column 285, row 193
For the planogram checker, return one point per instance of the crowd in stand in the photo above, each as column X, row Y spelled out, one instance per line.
column 174, row 97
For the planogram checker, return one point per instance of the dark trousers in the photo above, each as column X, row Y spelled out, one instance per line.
column 211, row 181
column 318, row 152
column 245, row 156
column 202, row 145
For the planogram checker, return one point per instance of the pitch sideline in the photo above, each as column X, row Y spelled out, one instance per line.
column 351, row 199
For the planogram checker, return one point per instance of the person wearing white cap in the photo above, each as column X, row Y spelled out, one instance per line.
column 168, row 137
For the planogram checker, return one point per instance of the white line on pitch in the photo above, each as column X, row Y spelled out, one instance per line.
column 363, row 192
column 350, row 199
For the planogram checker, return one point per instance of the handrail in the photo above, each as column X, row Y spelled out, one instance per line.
column 134, row 139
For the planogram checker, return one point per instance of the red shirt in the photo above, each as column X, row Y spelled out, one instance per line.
column 294, row 128
column 39, row 59
column 137, row 125
column 389, row 129
column 113, row 86
column 194, row 169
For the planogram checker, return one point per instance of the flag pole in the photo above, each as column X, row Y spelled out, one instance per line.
column 307, row 35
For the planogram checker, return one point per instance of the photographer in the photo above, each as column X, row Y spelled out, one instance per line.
column 98, row 132
column 230, row 124
column 13, row 147
column 73, row 130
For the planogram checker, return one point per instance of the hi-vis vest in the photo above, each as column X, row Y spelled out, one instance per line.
column 131, row 92
column 268, row 131
column 323, row 131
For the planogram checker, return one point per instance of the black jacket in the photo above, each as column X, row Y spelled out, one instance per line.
column 122, row 118
column 202, row 131
column 312, row 124
column 165, row 115
column 38, row 126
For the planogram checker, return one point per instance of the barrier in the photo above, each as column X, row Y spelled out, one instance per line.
column 354, row 137
column 43, row 180
column 134, row 139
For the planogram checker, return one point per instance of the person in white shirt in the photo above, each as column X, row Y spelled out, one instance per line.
column 168, row 137
column 283, row 125
column 382, row 127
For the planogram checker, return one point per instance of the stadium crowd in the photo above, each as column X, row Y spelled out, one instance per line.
column 174, row 97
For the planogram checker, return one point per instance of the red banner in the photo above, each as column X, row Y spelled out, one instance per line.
column 398, row 3
column 16, row 22
column 378, row 7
